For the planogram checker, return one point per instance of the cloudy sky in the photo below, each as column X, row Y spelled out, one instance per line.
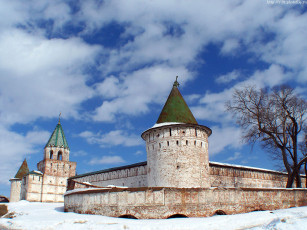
column 108, row 67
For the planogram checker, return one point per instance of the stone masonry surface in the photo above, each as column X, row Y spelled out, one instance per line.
column 153, row 203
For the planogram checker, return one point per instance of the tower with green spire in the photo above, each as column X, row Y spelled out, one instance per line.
column 57, row 138
column 55, row 166
column 49, row 183
column 177, row 147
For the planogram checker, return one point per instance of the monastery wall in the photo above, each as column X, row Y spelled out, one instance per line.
column 150, row 203
column 131, row 176
column 224, row 175
column 221, row 175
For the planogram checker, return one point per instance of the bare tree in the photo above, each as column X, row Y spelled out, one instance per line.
column 275, row 119
column 303, row 148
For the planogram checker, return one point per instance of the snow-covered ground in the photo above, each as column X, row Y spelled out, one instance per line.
column 51, row 216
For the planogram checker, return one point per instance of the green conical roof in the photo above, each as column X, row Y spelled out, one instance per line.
column 57, row 138
column 23, row 170
column 176, row 109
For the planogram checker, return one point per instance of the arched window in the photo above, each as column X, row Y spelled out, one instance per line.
column 60, row 155
column 51, row 154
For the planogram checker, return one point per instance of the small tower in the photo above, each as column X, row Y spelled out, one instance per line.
column 177, row 147
column 16, row 182
column 56, row 167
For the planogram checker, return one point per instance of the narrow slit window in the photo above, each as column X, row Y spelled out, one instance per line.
column 170, row 132
column 187, row 142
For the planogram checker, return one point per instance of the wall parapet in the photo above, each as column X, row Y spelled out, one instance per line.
column 160, row 203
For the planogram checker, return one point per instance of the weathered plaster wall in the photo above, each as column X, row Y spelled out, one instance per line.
column 223, row 175
column 15, row 190
column 192, row 202
column 53, row 188
column 134, row 176
column 177, row 156
column 32, row 186
column 54, row 181
column 57, row 167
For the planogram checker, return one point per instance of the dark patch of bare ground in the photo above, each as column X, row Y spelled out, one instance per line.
column 3, row 209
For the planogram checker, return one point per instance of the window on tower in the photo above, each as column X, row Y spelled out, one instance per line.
column 60, row 155
column 51, row 154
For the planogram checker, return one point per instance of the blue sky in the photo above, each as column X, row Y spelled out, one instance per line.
column 108, row 67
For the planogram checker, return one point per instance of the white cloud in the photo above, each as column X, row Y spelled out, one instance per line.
column 224, row 137
column 230, row 46
column 236, row 156
column 211, row 106
column 192, row 97
column 136, row 91
column 15, row 147
column 113, row 138
column 107, row 160
column 228, row 77
column 48, row 79
column 149, row 26
column 139, row 152
column 79, row 153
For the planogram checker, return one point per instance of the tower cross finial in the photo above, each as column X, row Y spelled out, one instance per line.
column 60, row 118
column 176, row 84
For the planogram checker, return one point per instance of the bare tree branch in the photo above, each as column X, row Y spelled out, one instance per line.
column 275, row 119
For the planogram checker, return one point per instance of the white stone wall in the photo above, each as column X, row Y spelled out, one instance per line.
column 152, row 203
column 177, row 156
column 32, row 187
column 53, row 188
column 228, row 176
column 15, row 190
column 220, row 176
column 130, row 177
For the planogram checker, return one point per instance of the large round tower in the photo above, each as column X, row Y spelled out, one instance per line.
column 177, row 147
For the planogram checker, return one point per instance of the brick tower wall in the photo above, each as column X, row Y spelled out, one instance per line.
column 177, row 156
